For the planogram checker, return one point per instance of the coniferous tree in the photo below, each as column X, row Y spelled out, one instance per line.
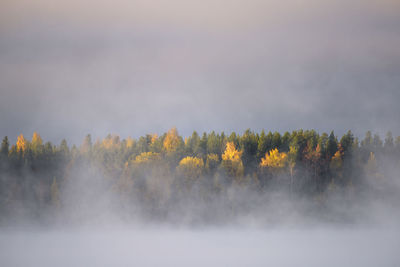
column 248, row 143
column 331, row 146
column 5, row 144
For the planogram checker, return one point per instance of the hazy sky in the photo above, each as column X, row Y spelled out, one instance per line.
column 68, row 68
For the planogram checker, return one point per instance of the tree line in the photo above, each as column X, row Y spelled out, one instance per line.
column 158, row 171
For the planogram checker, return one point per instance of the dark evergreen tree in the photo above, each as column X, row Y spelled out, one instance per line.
column 331, row 146
column 5, row 145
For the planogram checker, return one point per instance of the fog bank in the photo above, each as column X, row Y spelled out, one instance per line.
column 160, row 247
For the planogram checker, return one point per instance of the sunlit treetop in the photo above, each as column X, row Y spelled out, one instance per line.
column 274, row 159
column 191, row 167
column 231, row 153
column 129, row 142
column 36, row 139
column 172, row 140
column 21, row 143
column 111, row 141
column 147, row 157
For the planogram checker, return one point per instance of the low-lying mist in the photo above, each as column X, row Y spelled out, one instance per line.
column 211, row 247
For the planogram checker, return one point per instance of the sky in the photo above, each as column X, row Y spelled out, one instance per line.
column 69, row 68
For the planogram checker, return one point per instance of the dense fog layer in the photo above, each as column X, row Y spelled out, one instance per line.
column 216, row 247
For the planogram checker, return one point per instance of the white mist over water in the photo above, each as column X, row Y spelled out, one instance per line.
column 201, row 247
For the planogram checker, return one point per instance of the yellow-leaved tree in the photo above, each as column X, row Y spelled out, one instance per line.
column 232, row 161
column 21, row 143
column 147, row 157
column 191, row 168
column 172, row 141
column 129, row 142
column 231, row 153
column 37, row 143
column 111, row 141
column 274, row 160
column 36, row 139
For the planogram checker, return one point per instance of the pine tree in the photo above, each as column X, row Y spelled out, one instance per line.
column 331, row 146
column 5, row 147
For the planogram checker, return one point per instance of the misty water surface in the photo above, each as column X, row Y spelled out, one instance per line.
column 201, row 247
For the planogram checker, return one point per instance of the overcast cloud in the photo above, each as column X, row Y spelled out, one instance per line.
column 68, row 68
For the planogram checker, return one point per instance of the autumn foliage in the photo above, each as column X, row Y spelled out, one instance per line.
column 274, row 159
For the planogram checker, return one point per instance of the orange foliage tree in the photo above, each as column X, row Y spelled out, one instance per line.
column 21, row 143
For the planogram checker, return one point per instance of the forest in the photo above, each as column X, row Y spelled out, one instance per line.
column 211, row 177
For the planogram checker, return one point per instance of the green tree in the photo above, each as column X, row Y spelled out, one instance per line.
column 212, row 163
column 346, row 143
column 264, row 144
column 203, row 144
column 5, row 144
column 192, row 144
column 285, row 142
column 331, row 146
column 248, row 143
column 367, row 142
column 213, row 144
column 276, row 140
